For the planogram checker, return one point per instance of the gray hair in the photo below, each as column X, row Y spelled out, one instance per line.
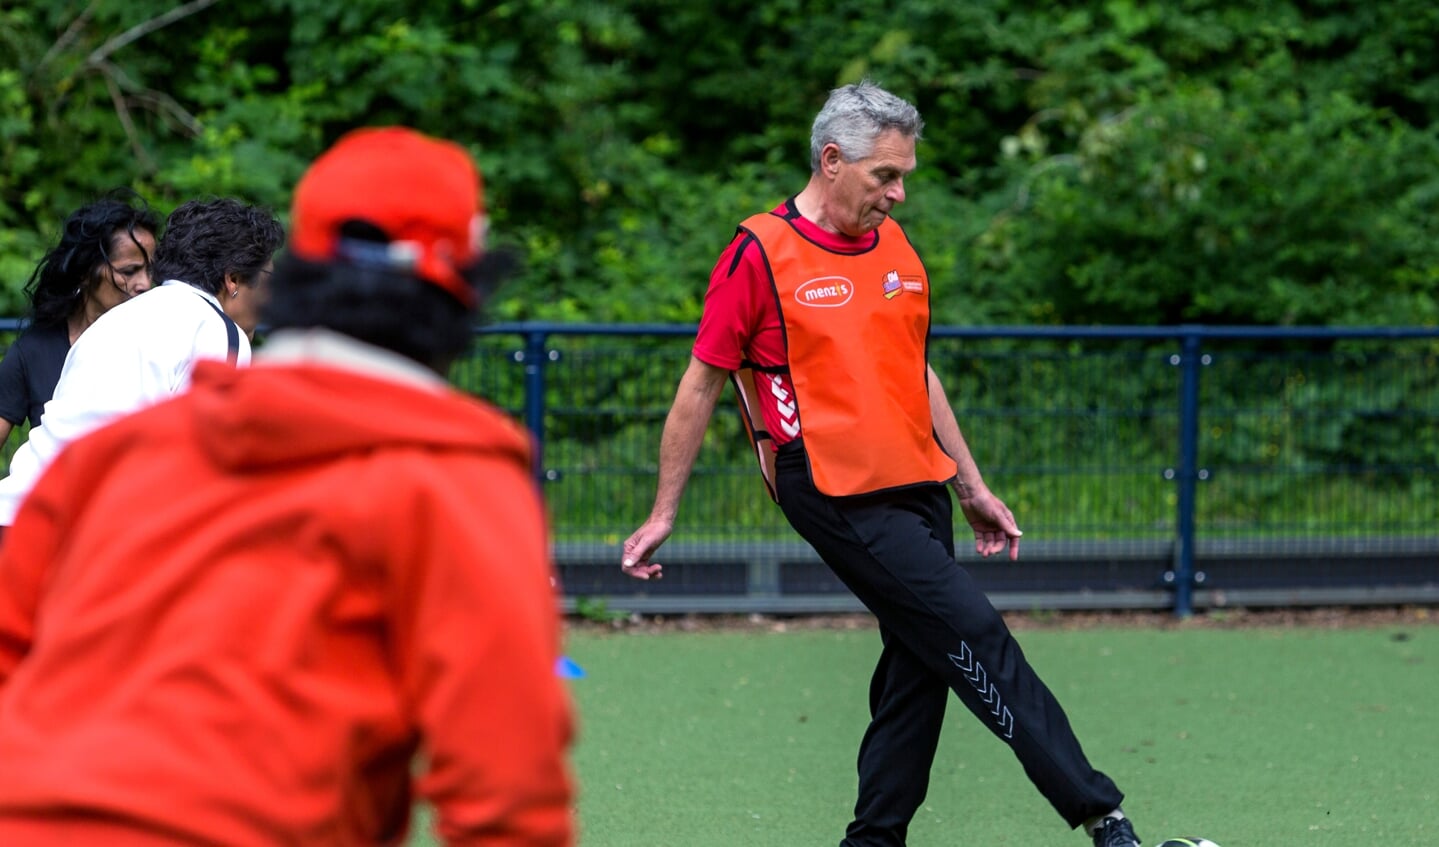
column 855, row 115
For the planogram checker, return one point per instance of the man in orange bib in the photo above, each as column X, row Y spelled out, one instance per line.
column 818, row 311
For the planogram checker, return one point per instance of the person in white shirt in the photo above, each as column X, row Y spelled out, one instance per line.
column 214, row 258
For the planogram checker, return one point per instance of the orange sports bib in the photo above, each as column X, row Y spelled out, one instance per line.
column 856, row 331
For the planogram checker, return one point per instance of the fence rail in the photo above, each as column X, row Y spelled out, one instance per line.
column 1156, row 467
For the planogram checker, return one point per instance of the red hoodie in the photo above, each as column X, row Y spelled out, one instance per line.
column 237, row 616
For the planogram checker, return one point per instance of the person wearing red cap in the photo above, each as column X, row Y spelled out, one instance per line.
column 243, row 616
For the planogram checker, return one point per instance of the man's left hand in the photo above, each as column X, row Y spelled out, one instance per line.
column 993, row 524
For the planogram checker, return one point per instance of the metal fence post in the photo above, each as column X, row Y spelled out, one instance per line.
column 534, row 359
column 1188, row 472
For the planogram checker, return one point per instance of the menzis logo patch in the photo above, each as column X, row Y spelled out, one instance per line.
column 825, row 291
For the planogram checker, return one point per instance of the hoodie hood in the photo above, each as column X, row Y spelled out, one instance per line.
column 298, row 412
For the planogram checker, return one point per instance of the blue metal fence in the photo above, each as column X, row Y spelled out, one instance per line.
column 1160, row 466
column 1163, row 467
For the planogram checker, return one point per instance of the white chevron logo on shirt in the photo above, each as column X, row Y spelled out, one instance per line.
column 789, row 418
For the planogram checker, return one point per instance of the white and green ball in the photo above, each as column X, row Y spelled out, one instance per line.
column 1188, row 841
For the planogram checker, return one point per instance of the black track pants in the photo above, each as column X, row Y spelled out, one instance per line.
column 895, row 551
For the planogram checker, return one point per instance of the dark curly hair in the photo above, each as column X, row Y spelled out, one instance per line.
column 58, row 285
column 206, row 239
column 383, row 306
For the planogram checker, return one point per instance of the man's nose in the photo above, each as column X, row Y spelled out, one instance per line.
column 896, row 191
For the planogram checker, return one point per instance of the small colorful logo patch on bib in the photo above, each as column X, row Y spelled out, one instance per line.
column 892, row 285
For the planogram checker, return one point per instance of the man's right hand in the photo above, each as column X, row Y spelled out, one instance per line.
column 640, row 546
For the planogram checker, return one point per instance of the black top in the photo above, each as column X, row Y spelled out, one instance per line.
column 29, row 371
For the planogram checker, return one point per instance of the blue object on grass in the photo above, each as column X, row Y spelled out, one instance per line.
column 568, row 669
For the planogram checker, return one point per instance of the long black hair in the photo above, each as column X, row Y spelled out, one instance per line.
column 58, row 285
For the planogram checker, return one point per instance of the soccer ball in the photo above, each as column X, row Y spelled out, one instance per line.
column 1188, row 841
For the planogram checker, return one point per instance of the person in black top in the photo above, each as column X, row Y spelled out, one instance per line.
column 101, row 260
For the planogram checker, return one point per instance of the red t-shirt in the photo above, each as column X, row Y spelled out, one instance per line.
column 741, row 321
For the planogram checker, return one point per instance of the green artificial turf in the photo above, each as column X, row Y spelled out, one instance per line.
column 1253, row 738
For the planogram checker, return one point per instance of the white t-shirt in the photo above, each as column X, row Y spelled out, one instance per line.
column 136, row 354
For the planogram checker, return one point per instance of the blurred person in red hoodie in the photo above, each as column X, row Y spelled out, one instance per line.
column 284, row 606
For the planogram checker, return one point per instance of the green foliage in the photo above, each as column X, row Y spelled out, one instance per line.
column 1105, row 162
column 1189, row 209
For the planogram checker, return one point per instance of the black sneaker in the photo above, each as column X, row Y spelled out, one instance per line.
column 1115, row 832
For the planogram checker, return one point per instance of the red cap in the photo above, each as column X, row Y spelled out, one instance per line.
column 423, row 193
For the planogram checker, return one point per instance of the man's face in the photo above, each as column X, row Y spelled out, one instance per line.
column 865, row 190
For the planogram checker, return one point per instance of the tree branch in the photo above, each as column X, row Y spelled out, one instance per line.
column 159, row 101
column 69, row 35
column 140, row 30
column 98, row 60
column 123, row 112
column 169, row 107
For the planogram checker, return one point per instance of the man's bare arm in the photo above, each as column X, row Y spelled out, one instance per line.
column 684, row 430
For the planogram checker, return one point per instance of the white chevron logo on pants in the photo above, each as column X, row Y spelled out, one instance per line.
column 975, row 673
